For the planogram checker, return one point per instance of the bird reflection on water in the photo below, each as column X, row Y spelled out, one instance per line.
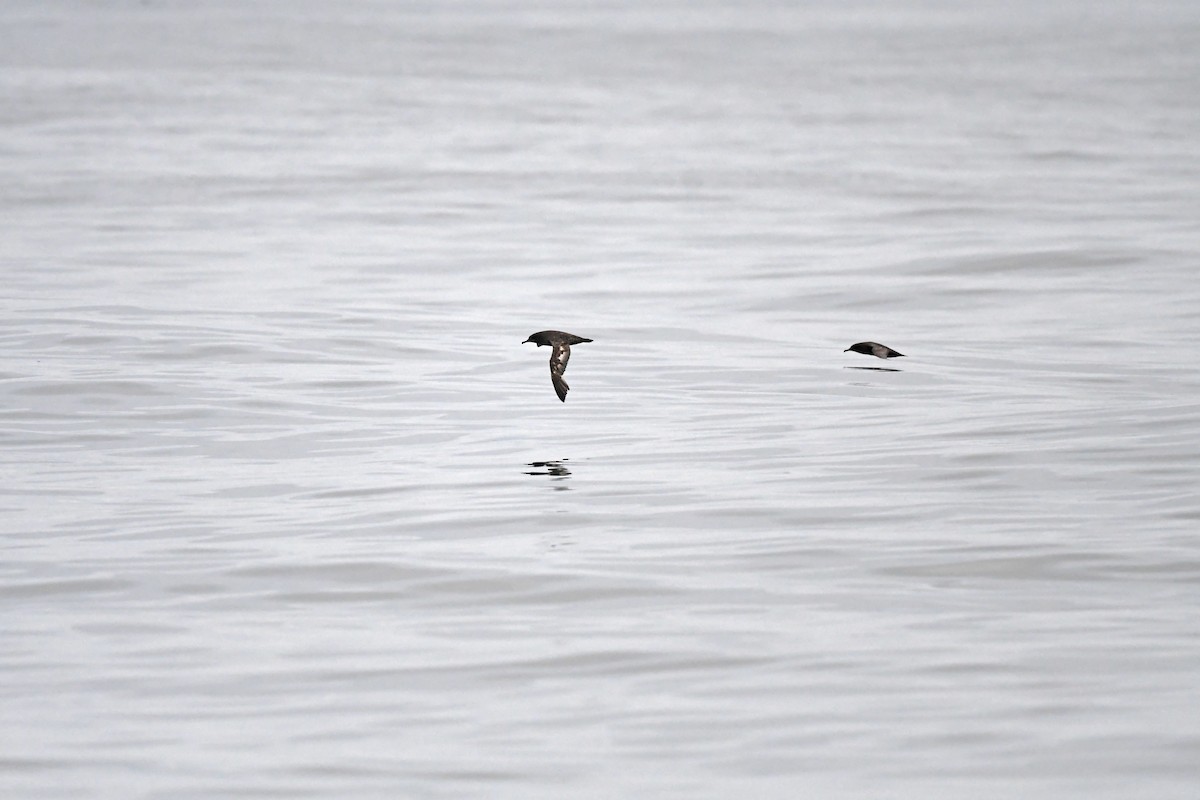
column 557, row 471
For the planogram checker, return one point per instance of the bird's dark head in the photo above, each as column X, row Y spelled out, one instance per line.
column 540, row 338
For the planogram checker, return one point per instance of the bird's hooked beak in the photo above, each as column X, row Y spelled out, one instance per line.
column 527, row 341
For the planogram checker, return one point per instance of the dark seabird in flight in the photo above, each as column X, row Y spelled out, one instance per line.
column 873, row 349
column 559, row 356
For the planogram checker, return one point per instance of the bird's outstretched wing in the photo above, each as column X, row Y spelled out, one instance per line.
column 558, row 365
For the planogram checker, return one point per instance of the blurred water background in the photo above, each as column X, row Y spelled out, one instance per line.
column 288, row 510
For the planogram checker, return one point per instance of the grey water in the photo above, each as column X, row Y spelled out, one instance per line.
column 288, row 510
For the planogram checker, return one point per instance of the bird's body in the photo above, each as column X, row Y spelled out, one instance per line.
column 873, row 349
column 560, row 354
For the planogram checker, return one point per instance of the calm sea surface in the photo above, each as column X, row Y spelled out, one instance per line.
column 288, row 510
